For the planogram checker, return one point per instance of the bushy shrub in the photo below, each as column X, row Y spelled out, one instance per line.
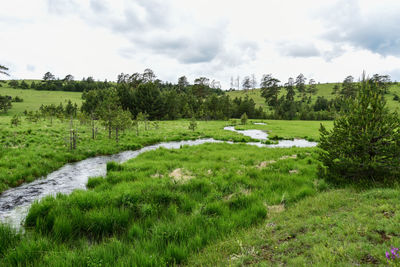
column 243, row 119
column 364, row 144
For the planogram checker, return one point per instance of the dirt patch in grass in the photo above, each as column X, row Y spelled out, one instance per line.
column 180, row 175
column 265, row 164
column 276, row 208
column 288, row 157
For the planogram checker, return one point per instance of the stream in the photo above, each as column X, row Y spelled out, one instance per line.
column 15, row 202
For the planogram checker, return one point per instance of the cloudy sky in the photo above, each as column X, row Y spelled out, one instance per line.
column 324, row 40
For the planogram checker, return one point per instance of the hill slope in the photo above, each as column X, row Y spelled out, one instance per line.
column 324, row 90
column 33, row 99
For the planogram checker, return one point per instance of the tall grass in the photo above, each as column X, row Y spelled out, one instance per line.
column 151, row 219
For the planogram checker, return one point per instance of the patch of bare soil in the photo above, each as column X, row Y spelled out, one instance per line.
column 180, row 175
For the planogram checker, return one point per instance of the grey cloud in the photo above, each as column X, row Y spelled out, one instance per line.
column 154, row 26
column 299, row 50
column 98, row 5
column 61, row 7
column 335, row 52
column 378, row 32
column 189, row 49
column 30, row 68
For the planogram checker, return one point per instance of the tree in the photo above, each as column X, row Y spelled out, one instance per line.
column 13, row 84
column 201, row 86
column 148, row 75
column 312, row 88
column 290, row 93
column 68, row 78
column 16, row 120
column 121, row 122
column 383, row 82
column 24, row 85
column 301, row 85
column 270, row 89
column 48, row 76
column 3, row 70
column 108, row 109
column 193, row 124
column 349, row 89
column 182, row 83
column 49, row 111
column 246, row 84
column 5, row 103
column 335, row 90
column 89, row 79
column 364, row 144
column 243, row 119
column 147, row 99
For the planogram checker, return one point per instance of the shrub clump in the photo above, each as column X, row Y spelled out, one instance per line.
column 364, row 144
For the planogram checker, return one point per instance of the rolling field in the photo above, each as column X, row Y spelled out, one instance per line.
column 324, row 90
column 33, row 99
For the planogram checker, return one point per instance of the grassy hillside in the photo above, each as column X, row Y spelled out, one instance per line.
column 340, row 227
column 33, row 99
column 324, row 90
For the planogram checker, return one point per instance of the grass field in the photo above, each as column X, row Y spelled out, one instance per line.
column 213, row 204
column 146, row 214
column 324, row 90
column 33, row 99
column 32, row 150
column 340, row 227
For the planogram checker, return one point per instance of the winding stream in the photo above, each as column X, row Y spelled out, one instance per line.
column 15, row 202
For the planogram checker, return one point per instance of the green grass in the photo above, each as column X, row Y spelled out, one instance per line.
column 324, row 90
column 341, row 227
column 33, row 99
column 141, row 216
column 33, row 150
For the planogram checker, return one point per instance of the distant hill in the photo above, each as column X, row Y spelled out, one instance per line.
column 324, row 90
column 33, row 99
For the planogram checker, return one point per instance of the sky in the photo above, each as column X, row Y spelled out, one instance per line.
column 218, row 39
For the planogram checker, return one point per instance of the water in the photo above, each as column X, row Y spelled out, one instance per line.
column 15, row 202
column 261, row 135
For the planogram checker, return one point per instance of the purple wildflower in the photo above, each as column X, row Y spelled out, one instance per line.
column 393, row 254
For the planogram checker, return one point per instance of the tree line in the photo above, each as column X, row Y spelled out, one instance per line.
column 143, row 93
column 284, row 104
column 50, row 83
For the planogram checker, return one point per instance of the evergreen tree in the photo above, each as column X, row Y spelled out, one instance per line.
column 364, row 144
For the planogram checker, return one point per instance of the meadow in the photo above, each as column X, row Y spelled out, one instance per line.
column 32, row 150
column 212, row 204
column 33, row 99
column 146, row 214
column 324, row 90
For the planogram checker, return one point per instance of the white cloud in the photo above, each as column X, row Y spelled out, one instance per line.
column 326, row 41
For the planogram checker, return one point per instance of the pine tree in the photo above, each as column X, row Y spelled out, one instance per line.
column 364, row 144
